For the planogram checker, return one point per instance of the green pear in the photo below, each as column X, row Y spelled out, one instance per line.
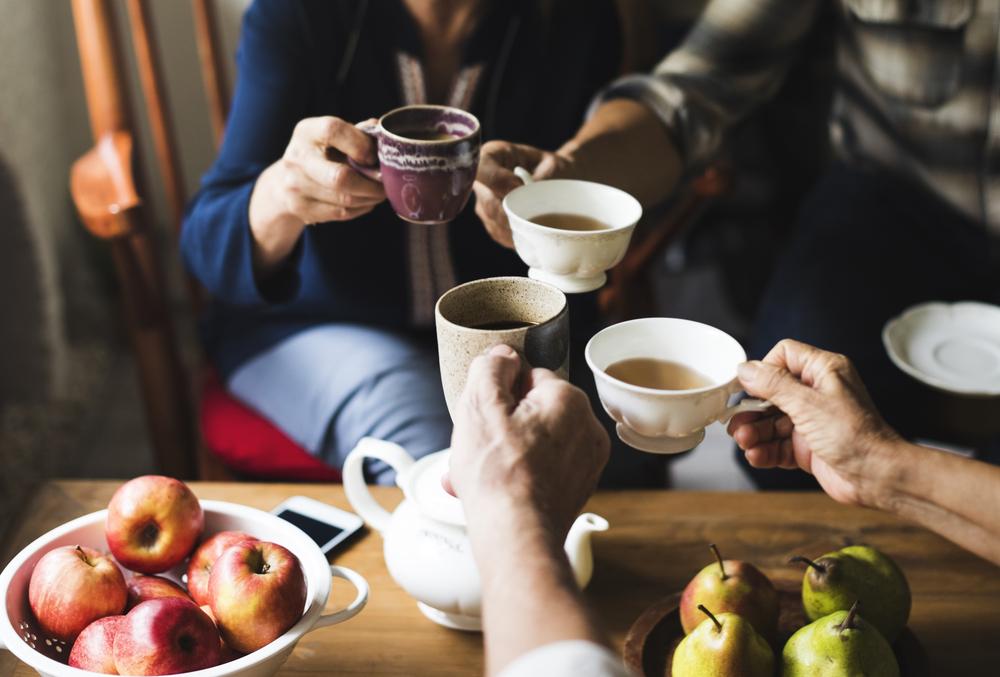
column 842, row 644
column 723, row 646
column 857, row 573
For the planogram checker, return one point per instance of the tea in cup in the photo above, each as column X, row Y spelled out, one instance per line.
column 663, row 380
column 427, row 160
column 531, row 317
column 570, row 232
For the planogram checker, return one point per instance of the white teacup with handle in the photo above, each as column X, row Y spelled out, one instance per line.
column 574, row 261
column 665, row 421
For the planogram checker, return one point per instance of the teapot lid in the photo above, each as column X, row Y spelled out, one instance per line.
column 421, row 483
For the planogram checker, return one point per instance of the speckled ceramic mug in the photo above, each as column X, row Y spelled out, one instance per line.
column 427, row 160
column 530, row 316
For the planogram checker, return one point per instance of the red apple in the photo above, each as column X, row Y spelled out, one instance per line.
column 166, row 636
column 200, row 566
column 153, row 523
column 228, row 653
column 73, row 586
column 257, row 592
column 94, row 649
column 142, row 588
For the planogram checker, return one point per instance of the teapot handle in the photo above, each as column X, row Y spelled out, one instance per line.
column 355, row 487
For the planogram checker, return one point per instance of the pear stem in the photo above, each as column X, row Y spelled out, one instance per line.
column 718, row 625
column 718, row 558
column 805, row 560
column 848, row 623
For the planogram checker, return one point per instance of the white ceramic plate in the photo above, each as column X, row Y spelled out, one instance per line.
column 953, row 347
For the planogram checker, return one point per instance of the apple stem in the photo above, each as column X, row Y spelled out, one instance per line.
column 718, row 625
column 805, row 560
column 718, row 558
column 265, row 568
column 848, row 623
column 83, row 555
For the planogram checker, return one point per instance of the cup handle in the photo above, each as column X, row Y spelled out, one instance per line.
column 748, row 404
column 524, row 175
column 352, row 609
column 373, row 172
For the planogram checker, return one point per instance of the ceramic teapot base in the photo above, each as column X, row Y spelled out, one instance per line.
column 453, row 621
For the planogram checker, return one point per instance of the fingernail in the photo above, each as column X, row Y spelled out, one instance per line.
column 503, row 350
column 748, row 370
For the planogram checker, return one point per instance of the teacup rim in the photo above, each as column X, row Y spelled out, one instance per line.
column 440, row 316
column 578, row 234
column 428, row 142
column 643, row 390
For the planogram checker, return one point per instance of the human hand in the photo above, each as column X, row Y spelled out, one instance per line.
column 525, row 443
column 827, row 426
column 496, row 178
column 312, row 183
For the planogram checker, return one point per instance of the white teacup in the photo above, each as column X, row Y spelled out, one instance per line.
column 668, row 421
column 573, row 261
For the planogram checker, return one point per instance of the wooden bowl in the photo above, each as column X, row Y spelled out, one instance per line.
column 655, row 634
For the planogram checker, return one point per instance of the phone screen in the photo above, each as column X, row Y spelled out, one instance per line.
column 321, row 532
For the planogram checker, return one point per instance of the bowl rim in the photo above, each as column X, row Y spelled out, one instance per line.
column 524, row 223
column 42, row 663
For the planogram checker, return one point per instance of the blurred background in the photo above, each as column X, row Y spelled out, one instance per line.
column 70, row 404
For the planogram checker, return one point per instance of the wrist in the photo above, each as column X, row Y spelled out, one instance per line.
column 274, row 228
column 885, row 475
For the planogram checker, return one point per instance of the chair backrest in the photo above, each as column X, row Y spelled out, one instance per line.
column 111, row 207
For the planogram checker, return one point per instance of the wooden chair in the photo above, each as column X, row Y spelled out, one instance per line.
column 104, row 190
column 110, row 204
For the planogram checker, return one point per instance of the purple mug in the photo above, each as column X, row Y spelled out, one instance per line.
column 427, row 160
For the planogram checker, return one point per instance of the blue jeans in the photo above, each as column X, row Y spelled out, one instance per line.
column 867, row 245
column 331, row 385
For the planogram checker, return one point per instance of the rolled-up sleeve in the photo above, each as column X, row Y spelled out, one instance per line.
column 735, row 57
column 575, row 658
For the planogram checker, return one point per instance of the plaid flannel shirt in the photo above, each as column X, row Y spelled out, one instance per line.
column 916, row 86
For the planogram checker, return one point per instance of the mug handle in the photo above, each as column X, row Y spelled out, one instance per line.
column 353, row 476
column 749, row 404
column 524, row 175
column 373, row 172
column 352, row 609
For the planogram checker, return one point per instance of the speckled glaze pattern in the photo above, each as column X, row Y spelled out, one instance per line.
column 426, row 181
column 544, row 344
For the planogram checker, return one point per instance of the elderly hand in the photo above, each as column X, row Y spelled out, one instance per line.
column 311, row 183
column 827, row 425
column 496, row 178
column 524, row 441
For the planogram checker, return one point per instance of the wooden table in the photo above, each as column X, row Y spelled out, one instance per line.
column 656, row 543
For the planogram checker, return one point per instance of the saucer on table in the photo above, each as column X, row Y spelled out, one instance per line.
column 953, row 347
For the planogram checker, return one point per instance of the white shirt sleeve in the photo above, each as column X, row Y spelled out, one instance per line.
column 572, row 658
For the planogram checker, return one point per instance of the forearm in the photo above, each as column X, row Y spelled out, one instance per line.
column 624, row 144
column 274, row 229
column 956, row 497
column 530, row 597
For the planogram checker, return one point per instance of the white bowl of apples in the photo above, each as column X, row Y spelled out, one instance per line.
column 255, row 585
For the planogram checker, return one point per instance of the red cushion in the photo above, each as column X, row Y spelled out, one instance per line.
column 249, row 444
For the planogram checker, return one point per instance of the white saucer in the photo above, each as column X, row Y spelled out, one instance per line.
column 952, row 347
column 453, row 621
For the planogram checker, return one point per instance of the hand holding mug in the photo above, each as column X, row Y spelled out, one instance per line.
column 524, row 440
column 311, row 183
column 496, row 178
column 827, row 426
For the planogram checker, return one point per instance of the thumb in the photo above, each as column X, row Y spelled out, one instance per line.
column 777, row 385
column 492, row 378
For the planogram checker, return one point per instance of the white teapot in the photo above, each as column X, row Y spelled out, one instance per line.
column 425, row 545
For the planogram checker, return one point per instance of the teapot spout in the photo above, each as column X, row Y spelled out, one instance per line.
column 578, row 549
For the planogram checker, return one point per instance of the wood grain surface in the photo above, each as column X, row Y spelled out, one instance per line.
column 657, row 541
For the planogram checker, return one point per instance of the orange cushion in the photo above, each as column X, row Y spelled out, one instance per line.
column 249, row 444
